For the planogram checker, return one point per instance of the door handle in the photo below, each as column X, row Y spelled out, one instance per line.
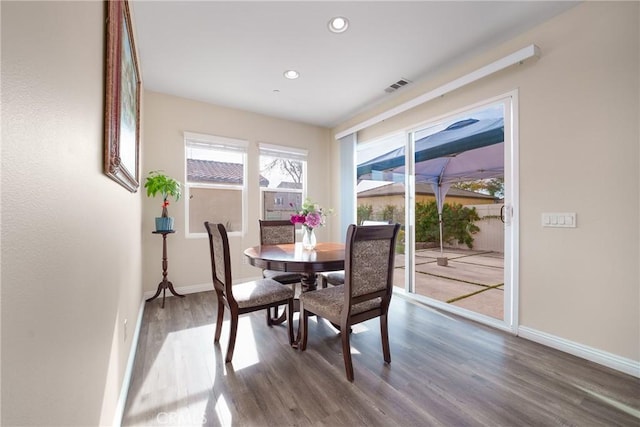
column 502, row 214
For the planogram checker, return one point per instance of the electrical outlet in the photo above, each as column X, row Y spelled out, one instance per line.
column 126, row 321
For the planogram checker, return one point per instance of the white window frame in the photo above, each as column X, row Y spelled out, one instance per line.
column 221, row 143
column 290, row 153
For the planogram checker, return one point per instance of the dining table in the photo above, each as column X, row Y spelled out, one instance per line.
column 294, row 258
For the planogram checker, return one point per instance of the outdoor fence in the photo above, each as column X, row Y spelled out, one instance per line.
column 491, row 234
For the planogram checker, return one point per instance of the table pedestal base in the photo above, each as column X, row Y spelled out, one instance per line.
column 309, row 283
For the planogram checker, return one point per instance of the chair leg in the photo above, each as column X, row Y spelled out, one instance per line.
column 384, row 334
column 346, row 352
column 290, row 320
column 232, row 336
column 269, row 322
column 274, row 318
column 323, row 281
column 219, row 320
column 303, row 329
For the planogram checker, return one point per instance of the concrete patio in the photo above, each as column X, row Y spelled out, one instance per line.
column 473, row 279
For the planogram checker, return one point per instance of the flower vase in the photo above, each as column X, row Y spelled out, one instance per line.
column 308, row 238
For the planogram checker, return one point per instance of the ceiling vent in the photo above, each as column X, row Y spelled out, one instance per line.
column 397, row 85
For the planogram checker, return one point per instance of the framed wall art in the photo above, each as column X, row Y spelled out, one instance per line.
column 122, row 99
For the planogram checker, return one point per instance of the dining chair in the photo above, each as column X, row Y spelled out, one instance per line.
column 278, row 232
column 366, row 293
column 336, row 278
column 245, row 297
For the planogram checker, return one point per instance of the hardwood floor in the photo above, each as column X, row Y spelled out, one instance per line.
column 444, row 371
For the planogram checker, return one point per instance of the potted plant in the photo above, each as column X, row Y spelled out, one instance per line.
column 158, row 182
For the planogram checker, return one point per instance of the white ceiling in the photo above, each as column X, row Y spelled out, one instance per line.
column 234, row 53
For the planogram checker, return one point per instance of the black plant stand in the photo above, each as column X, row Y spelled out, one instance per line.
column 165, row 264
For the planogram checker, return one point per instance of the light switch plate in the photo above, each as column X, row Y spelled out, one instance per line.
column 559, row 219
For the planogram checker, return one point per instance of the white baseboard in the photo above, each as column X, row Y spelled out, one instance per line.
column 126, row 381
column 610, row 360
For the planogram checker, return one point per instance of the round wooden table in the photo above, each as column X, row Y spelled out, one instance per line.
column 294, row 259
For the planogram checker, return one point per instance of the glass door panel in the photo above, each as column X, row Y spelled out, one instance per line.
column 381, row 189
column 445, row 183
column 458, row 194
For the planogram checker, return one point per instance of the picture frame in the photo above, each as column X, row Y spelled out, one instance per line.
column 122, row 99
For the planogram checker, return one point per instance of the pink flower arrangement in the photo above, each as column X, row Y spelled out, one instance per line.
column 310, row 216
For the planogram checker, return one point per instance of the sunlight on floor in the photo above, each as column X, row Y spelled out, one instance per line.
column 223, row 412
column 245, row 353
column 181, row 354
column 194, row 355
column 359, row 328
column 618, row 405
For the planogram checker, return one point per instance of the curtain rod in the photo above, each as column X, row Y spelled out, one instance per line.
column 509, row 60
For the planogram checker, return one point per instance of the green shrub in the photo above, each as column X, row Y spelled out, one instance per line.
column 388, row 213
column 458, row 223
column 364, row 213
column 400, row 242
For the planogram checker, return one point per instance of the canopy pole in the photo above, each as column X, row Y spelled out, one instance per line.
column 441, row 246
column 441, row 260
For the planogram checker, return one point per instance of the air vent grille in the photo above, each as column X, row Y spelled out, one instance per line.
column 397, row 85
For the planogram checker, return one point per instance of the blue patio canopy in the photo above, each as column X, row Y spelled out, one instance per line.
column 464, row 135
column 467, row 150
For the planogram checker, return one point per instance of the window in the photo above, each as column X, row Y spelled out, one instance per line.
column 215, row 182
column 282, row 180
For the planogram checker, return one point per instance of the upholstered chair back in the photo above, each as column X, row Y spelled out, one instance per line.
column 277, row 232
column 371, row 259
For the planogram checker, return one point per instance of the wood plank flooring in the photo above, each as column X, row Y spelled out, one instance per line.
column 445, row 371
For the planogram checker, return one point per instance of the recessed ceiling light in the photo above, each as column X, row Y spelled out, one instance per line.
column 291, row 74
column 339, row 24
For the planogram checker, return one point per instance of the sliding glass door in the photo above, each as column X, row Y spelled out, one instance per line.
column 445, row 182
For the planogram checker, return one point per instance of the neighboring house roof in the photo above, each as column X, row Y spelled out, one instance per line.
column 287, row 184
column 421, row 189
column 210, row 171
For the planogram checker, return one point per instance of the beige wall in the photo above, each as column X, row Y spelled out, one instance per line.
column 70, row 235
column 579, row 140
column 166, row 118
